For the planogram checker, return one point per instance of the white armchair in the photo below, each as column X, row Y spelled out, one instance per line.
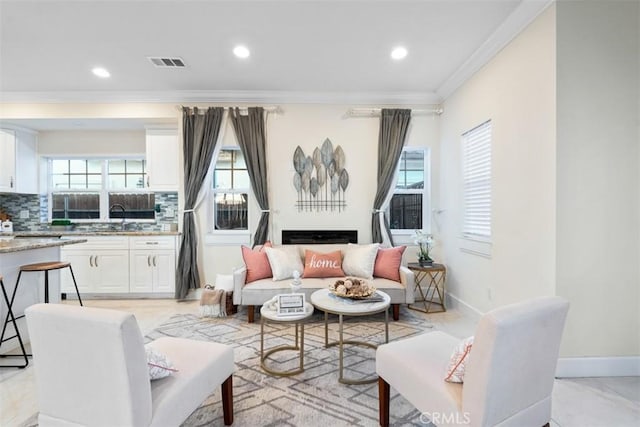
column 91, row 370
column 509, row 375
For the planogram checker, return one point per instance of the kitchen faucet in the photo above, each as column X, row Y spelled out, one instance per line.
column 122, row 208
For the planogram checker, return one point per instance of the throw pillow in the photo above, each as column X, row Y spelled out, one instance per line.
column 388, row 263
column 459, row 358
column 256, row 262
column 159, row 365
column 317, row 264
column 359, row 260
column 284, row 261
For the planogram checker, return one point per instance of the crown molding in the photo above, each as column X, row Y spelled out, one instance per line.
column 223, row 96
column 520, row 18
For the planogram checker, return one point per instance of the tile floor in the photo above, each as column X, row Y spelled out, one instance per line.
column 577, row 402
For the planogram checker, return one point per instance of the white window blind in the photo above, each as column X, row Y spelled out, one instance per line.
column 476, row 177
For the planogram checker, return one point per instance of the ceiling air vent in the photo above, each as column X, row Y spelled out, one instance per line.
column 167, row 62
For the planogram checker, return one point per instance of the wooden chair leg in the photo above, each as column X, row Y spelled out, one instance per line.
column 396, row 311
column 250, row 313
column 227, row 400
column 383, row 399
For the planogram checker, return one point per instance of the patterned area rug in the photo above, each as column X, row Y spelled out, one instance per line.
column 313, row 397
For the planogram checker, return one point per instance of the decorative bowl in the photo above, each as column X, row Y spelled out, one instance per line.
column 352, row 287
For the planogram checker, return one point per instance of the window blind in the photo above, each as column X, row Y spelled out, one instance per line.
column 476, row 177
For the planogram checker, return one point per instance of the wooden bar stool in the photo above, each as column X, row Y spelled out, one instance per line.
column 17, row 335
column 45, row 267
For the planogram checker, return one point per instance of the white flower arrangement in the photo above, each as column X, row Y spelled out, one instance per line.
column 425, row 242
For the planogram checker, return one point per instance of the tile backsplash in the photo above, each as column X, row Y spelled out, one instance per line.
column 37, row 205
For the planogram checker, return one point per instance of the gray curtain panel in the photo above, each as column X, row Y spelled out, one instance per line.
column 394, row 124
column 250, row 134
column 200, row 134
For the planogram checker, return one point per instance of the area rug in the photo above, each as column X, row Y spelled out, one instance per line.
column 311, row 398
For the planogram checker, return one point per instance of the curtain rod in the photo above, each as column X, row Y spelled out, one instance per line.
column 269, row 109
column 375, row 112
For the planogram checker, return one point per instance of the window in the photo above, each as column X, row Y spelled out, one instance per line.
column 476, row 181
column 99, row 189
column 409, row 203
column 231, row 191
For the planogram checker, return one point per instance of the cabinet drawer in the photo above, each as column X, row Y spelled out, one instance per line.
column 152, row 242
column 100, row 242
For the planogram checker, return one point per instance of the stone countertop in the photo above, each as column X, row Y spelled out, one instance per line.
column 16, row 245
column 51, row 233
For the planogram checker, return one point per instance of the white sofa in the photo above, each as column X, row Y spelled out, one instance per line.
column 260, row 291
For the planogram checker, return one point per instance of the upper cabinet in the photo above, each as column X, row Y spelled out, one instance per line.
column 18, row 162
column 162, row 159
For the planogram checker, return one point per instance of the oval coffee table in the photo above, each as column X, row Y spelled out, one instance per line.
column 326, row 301
column 271, row 316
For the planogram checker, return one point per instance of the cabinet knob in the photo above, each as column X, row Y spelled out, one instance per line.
column 11, row 183
column 149, row 260
column 154, row 261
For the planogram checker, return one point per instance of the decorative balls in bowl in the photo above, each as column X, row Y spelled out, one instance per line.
column 352, row 287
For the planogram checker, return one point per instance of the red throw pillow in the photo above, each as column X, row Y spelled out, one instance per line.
column 388, row 263
column 317, row 264
column 257, row 263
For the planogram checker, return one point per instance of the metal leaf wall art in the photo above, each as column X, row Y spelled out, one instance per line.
column 320, row 179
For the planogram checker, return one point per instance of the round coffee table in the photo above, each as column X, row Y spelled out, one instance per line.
column 271, row 316
column 326, row 301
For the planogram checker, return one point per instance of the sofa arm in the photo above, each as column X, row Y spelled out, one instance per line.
column 239, row 277
column 407, row 278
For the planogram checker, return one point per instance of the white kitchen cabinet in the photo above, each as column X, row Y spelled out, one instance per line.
column 7, row 161
column 152, row 263
column 163, row 160
column 18, row 162
column 101, row 265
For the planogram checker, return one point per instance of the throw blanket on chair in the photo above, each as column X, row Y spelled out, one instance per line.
column 213, row 302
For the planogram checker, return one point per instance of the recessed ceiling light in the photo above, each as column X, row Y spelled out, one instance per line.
column 241, row 51
column 101, row 72
column 399, row 53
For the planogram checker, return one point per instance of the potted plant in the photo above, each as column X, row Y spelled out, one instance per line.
column 425, row 243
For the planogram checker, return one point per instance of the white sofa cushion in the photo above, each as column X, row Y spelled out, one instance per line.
column 284, row 261
column 359, row 260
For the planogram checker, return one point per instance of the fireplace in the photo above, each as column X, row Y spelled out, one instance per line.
column 292, row 237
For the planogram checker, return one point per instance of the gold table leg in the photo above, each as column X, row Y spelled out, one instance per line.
column 299, row 345
column 341, row 343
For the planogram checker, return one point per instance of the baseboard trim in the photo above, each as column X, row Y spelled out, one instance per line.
column 572, row 367
column 466, row 309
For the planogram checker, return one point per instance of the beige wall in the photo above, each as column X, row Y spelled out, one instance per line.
column 516, row 91
column 598, row 181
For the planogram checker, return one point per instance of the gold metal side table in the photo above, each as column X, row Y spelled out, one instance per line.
column 430, row 280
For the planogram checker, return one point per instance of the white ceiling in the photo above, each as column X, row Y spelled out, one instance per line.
column 301, row 50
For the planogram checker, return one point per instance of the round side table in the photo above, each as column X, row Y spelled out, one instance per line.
column 271, row 316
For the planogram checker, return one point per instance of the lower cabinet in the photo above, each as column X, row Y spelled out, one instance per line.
column 121, row 264
column 152, row 271
column 97, row 271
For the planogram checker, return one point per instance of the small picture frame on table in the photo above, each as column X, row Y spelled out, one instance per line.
column 291, row 304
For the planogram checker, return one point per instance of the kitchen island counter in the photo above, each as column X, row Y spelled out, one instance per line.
column 25, row 244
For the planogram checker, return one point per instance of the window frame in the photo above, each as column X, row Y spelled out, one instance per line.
column 103, row 191
column 226, row 237
column 406, row 236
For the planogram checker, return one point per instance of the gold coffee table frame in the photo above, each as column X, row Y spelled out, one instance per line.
column 320, row 301
column 269, row 316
